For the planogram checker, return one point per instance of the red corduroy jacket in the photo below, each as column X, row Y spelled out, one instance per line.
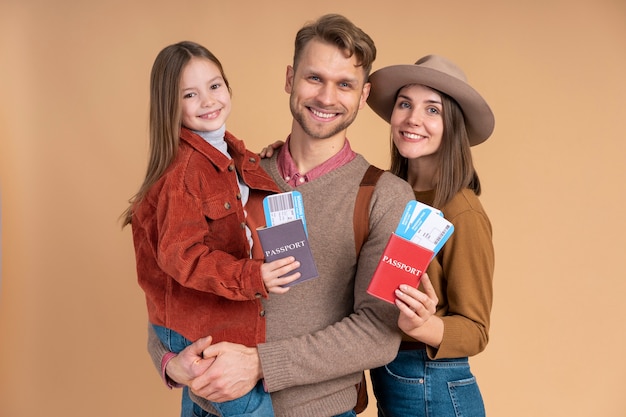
column 192, row 253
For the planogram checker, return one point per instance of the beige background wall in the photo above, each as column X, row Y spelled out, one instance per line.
column 73, row 124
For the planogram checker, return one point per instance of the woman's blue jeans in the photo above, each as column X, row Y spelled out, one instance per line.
column 413, row 385
column 256, row 403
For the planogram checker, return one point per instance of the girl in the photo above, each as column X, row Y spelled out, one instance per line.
column 194, row 219
column 435, row 117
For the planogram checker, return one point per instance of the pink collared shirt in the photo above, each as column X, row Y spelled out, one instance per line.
column 289, row 171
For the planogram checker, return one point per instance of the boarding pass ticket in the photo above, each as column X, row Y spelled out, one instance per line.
column 283, row 207
column 424, row 225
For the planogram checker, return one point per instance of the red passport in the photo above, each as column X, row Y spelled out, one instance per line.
column 402, row 262
column 289, row 239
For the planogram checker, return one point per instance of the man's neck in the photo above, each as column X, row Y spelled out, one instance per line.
column 308, row 153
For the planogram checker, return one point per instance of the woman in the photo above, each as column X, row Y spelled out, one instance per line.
column 435, row 116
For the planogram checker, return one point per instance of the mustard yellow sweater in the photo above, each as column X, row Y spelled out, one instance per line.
column 462, row 275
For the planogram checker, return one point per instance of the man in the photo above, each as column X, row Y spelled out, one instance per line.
column 323, row 333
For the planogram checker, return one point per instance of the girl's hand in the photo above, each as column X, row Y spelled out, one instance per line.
column 416, row 307
column 271, row 271
column 268, row 151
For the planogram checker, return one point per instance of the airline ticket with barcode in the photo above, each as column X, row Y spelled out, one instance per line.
column 424, row 225
column 283, row 207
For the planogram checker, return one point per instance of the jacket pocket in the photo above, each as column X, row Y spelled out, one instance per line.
column 219, row 206
column 223, row 226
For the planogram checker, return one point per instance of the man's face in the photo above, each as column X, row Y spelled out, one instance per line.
column 326, row 90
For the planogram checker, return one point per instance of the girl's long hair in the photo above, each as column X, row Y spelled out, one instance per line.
column 165, row 111
column 455, row 166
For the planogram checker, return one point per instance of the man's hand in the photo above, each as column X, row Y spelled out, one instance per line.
column 233, row 373
column 189, row 363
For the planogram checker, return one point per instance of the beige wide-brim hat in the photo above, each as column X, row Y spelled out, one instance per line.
column 441, row 74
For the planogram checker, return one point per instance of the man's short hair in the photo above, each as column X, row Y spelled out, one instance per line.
column 338, row 30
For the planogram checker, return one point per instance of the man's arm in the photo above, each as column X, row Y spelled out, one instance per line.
column 235, row 374
column 367, row 338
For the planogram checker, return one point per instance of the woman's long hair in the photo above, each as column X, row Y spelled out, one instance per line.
column 165, row 111
column 455, row 166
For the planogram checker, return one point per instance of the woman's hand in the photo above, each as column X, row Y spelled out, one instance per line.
column 417, row 312
column 268, row 151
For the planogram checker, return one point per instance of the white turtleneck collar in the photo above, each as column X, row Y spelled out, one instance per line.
column 216, row 139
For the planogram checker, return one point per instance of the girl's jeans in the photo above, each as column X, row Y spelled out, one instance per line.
column 256, row 403
column 413, row 385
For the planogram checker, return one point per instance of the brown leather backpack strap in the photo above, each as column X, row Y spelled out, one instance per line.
column 362, row 398
column 361, row 220
column 361, row 217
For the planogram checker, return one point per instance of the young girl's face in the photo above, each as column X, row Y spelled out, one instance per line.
column 204, row 96
column 417, row 121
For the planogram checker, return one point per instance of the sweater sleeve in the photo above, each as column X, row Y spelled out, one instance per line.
column 159, row 355
column 466, row 266
column 365, row 339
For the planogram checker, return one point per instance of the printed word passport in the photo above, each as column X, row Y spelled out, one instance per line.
column 285, row 233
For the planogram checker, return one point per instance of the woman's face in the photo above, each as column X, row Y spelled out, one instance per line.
column 417, row 121
column 204, row 96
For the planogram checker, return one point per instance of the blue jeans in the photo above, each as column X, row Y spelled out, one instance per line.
column 256, row 403
column 413, row 385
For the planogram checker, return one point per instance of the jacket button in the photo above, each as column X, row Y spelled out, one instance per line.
column 262, row 313
column 253, row 160
column 227, row 205
column 231, row 168
column 238, row 196
column 242, row 225
column 257, row 295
